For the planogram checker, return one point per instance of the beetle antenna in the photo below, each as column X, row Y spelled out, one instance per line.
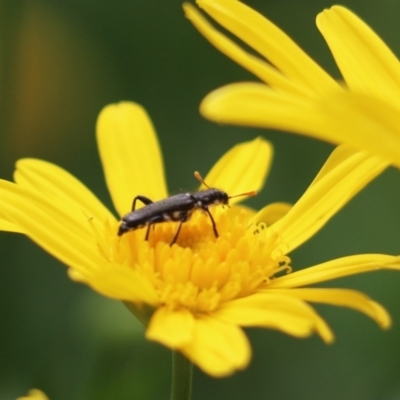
column 200, row 179
column 252, row 193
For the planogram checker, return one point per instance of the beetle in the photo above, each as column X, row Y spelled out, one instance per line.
column 179, row 208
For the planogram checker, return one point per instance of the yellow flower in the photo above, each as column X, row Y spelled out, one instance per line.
column 297, row 95
column 34, row 394
column 196, row 295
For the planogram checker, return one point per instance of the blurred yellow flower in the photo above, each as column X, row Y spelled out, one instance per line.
column 297, row 95
column 196, row 295
column 34, row 394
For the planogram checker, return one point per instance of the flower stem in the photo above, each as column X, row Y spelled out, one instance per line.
column 182, row 370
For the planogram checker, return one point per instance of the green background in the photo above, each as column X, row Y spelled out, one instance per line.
column 60, row 63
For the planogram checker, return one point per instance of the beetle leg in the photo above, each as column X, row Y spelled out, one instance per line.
column 147, row 232
column 177, row 232
column 212, row 221
column 145, row 200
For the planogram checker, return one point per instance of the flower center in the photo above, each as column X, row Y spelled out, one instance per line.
column 199, row 271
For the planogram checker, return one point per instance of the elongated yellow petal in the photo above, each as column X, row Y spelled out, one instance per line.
column 174, row 329
column 272, row 213
column 345, row 158
column 342, row 154
column 339, row 117
column 66, row 232
column 365, row 61
column 367, row 122
column 61, row 230
column 344, row 298
column 256, row 65
column 130, row 154
column 276, row 311
column 218, row 348
column 255, row 104
column 328, row 195
column 9, row 226
column 337, row 268
column 268, row 40
column 116, row 282
column 56, row 184
column 242, row 169
column 34, row 394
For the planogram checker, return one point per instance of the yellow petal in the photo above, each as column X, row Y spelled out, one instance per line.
column 338, row 117
column 56, row 184
column 255, row 104
column 365, row 61
column 337, row 268
column 269, row 41
column 64, row 232
column 173, row 329
column 130, row 154
column 256, row 65
column 272, row 213
column 345, row 158
column 338, row 156
column 62, row 227
column 219, row 349
column 344, row 298
column 9, row 226
column 275, row 311
column 328, row 195
column 367, row 122
column 117, row 282
column 34, row 394
column 242, row 169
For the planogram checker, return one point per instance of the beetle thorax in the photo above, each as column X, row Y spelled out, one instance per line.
column 211, row 196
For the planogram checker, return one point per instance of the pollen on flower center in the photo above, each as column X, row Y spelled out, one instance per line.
column 199, row 270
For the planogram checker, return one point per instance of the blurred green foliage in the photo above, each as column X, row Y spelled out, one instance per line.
column 61, row 62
